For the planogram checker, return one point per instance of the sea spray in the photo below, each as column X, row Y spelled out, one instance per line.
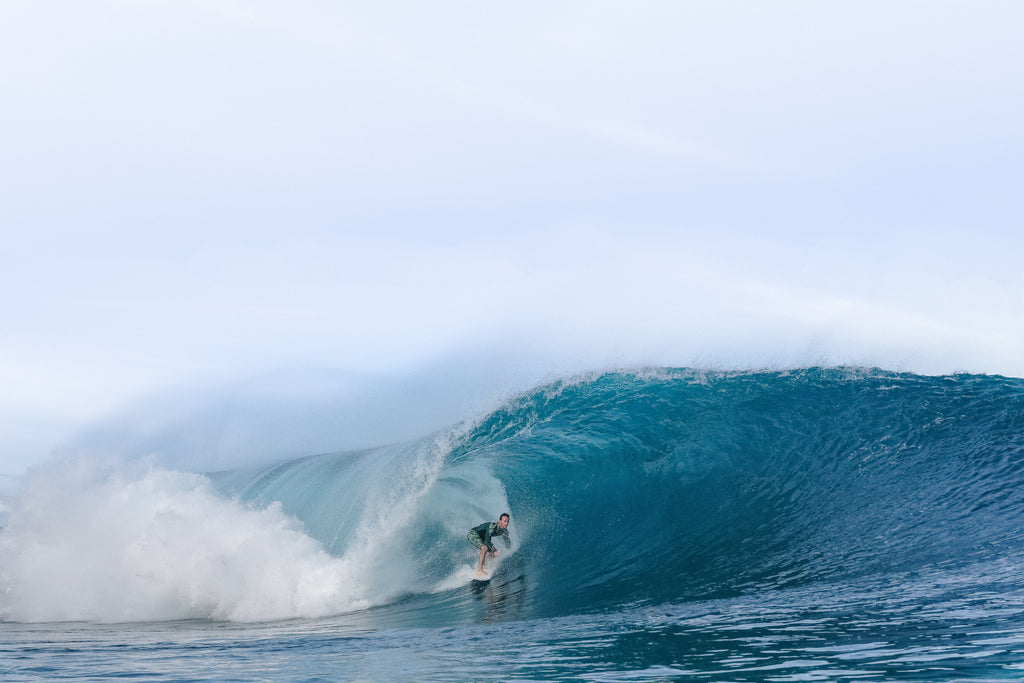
column 105, row 540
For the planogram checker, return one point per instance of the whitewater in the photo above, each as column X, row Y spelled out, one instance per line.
column 830, row 524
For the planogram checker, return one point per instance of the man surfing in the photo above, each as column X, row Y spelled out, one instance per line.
column 480, row 537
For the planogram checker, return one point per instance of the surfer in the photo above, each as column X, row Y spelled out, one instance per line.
column 480, row 537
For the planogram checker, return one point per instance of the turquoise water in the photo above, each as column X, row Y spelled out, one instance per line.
column 927, row 627
column 821, row 524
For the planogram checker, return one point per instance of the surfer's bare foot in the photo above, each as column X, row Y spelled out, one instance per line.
column 481, row 573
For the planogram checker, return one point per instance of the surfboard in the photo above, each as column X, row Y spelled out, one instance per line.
column 478, row 584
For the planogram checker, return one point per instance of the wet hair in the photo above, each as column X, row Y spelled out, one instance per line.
column 504, row 514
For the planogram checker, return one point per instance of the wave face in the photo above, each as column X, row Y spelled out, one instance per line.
column 669, row 486
column 640, row 487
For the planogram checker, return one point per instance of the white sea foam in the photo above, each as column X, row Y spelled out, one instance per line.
column 103, row 539
column 89, row 540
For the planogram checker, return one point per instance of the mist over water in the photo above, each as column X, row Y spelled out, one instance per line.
column 302, row 410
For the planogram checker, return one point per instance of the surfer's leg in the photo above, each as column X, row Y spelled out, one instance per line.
column 483, row 557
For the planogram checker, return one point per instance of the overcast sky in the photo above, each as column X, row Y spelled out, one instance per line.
column 197, row 192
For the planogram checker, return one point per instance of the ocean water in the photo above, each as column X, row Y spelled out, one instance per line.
column 811, row 525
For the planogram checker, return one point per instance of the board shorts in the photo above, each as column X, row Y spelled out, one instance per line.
column 475, row 539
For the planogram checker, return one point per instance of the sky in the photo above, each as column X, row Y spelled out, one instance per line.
column 307, row 199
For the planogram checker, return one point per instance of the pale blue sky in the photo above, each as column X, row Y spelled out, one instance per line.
column 197, row 192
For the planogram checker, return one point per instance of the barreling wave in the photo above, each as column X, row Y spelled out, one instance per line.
column 671, row 485
column 625, row 487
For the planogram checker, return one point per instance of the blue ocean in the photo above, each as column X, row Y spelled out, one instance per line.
column 820, row 524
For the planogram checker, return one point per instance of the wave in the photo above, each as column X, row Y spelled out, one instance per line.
column 644, row 486
column 672, row 485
